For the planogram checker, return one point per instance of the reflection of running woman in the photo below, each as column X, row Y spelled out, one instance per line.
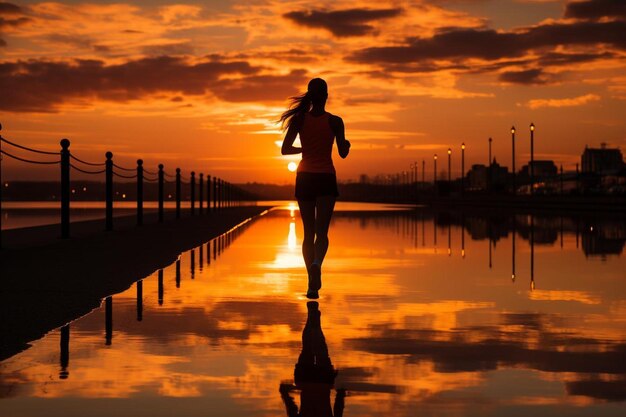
column 314, row 374
column 316, row 182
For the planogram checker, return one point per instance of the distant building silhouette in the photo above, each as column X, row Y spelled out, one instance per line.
column 541, row 169
column 603, row 160
column 479, row 177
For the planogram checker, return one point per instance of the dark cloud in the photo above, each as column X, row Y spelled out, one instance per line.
column 450, row 352
column 341, row 23
column 366, row 100
column 261, row 87
column 560, row 59
column 41, row 86
column 599, row 389
column 492, row 45
column 76, row 41
column 10, row 9
column 596, row 9
column 180, row 48
column 8, row 23
column 8, row 16
column 529, row 76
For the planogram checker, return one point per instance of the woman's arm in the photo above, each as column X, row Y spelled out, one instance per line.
column 343, row 145
column 290, row 137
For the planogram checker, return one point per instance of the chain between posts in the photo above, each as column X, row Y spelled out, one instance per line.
column 217, row 190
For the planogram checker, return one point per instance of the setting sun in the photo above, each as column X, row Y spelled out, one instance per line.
column 292, row 166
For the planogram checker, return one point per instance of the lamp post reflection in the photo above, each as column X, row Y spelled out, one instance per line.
column 489, row 241
column 532, row 252
column 435, row 233
column 314, row 374
column 532, row 158
column 513, row 233
column 513, row 159
column 449, row 238
column 462, row 236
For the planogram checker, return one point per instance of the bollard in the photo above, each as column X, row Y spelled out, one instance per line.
column 214, row 194
column 65, row 188
column 219, row 194
column 223, row 187
column 192, row 186
column 200, row 191
column 161, row 192
column 108, row 191
column 178, row 193
column 208, row 193
column 139, row 192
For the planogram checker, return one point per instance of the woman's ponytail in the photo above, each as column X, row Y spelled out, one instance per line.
column 299, row 105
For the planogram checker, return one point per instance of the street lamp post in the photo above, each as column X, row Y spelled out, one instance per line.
column 435, row 171
column 513, row 157
column 423, row 172
column 532, row 159
column 489, row 167
column 414, row 166
column 462, row 168
column 449, row 165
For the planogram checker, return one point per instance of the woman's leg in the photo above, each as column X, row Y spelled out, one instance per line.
column 307, row 214
column 325, row 206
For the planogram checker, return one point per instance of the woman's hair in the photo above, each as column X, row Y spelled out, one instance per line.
column 317, row 91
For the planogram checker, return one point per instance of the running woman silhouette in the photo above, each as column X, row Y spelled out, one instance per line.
column 316, row 180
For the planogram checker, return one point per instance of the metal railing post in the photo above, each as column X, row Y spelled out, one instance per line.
column 208, row 193
column 108, row 191
column 65, row 188
column 178, row 193
column 214, row 193
column 161, row 192
column 139, row 192
column 200, row 192
column 192, row 186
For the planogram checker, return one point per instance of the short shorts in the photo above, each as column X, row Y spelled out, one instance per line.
column 310, row 185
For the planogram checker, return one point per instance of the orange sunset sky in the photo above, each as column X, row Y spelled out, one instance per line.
column 199, row 84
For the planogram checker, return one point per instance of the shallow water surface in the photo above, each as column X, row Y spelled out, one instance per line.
column 421, row 313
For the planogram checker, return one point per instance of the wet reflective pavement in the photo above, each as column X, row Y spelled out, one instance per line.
column 421, row 313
